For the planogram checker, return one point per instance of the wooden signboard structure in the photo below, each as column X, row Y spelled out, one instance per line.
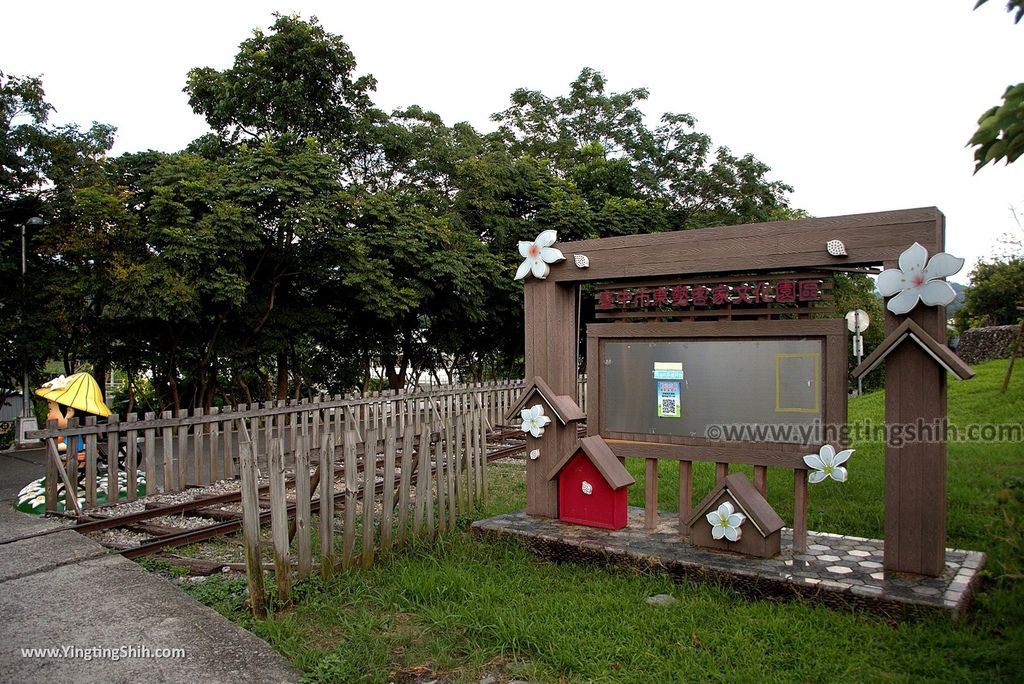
column 760, row 285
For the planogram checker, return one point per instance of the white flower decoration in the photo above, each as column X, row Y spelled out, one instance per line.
column 827, row 463
column 914, row 281
column 587, row 488
column 725, row 522
column 59, row 382
column 534, row 420
column 537, row 255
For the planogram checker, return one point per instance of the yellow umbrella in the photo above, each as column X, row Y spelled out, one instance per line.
column 79, row 391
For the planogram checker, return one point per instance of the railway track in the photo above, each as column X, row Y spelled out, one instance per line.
column 504, row 444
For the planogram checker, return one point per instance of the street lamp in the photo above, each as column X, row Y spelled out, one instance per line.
column 27, row 420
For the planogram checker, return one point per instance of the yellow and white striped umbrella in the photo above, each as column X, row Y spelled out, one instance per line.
column 79, row 391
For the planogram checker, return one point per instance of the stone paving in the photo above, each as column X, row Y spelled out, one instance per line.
column 839, row 571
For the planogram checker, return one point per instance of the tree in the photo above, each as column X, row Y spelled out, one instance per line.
column 994, row 296
column 1000, row 133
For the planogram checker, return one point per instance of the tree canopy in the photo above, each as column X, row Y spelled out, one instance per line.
column 313, row 242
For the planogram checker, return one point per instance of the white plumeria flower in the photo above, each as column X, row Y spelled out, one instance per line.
column 59, row 382
column 534, row 420
column 725, row 522
column 827, row 463
column 537, row 255
column 915, row 281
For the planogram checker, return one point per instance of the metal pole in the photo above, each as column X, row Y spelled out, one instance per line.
column 860, row 351
column 27, row 421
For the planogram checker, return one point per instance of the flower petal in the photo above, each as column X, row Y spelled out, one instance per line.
column 524, row 248
column 904, row 301
column 726, row 509
column 717, row 532
column 526, row 426
column 838, row 474
column 891, row 281
column 543, row 420
column 937, row 293
column 816, row 476
column 526, row 414
column 913, row 259
column 547, row 238
column 842, row 457
column 536, row 430
column 712, row 518
column 732, row 534
column 537, row 410
column 551, row 255
column 943, row 265
column 814, row 461
column 827, row 454
column 736, row 519
column 539, row 268
column 524, row 268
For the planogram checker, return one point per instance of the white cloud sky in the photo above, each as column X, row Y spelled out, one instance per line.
column 860, row 106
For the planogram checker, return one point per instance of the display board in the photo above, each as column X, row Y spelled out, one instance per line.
column 682, row 388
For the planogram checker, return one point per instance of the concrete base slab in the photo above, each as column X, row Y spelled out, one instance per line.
column 118, row 622
column 839, row 571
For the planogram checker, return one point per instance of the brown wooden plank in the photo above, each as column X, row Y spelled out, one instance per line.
column 441, row 486
column 131, row 462
column 279, row 521
column 351, row 490
column 303, row 538
column 91, row 457
column 685, row 496
column 870, row 239
column 799, row 511
column 388, row 504
column 251, row 526
column 113, row 443
column 182, row 444
column 326, row 456
column 149, row 458
column 721, row 471
column 791, row 457
column 761, row 479
column 369, row 487
column 651, row 494
column 405, row 482
column 198, row 441
column 215, row 466
column 449, row 452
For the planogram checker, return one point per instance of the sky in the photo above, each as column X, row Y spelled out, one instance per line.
column 860, row 107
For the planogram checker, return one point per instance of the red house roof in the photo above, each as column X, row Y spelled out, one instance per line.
column 611, row 469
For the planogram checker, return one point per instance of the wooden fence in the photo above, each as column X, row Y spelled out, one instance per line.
column 183, row 449
column 371, row 495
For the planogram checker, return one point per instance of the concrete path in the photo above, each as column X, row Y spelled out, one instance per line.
column 63, row 591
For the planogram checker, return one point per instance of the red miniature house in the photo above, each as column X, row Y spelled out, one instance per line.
column 592, row 486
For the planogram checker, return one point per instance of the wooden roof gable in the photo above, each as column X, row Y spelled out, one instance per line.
column 612, row 470
column 908, row 329
column 750, row 502
column 562, row 406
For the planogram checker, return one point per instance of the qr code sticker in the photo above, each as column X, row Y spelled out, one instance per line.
column 668, row 406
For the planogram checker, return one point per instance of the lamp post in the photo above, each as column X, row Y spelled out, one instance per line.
column 27, row 420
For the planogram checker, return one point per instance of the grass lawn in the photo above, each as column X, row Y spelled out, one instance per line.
column 458, row 610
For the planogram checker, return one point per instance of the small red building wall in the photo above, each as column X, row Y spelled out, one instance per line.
column 604, row 507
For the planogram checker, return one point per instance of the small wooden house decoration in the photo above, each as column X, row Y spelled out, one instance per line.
column 592, row 486
column 561, row 406
column 761, row 527
column 909, row 330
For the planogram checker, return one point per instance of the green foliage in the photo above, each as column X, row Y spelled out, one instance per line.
column 995, row 295
column 1000, row 133
column 460, row 608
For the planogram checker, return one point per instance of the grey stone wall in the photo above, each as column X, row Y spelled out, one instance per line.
column 984, row 344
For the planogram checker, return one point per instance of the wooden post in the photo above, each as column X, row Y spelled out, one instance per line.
column 388, row 504
column 302, row 506
column 215, row 468
column 327, row 558
column 761, row 479
column 408, row 438
column 721, row 471
column 182, row 451
column 167, row 453
column 651, row 494
column 91, row 457
column 251, row 525
column 131, row 462
column 149, row 456
column 369, row 487
column 685, row 496
column 442, row 486
column 197, row 449
column 351, row 488
column 449, row 453
column 112, row 469
column 279, row 521
column 799, row 510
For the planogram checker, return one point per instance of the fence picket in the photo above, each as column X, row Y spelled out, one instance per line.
column 369, row 489
column 149, row 456
column 279, row 521
column 327, row 557
column 302, row 507
column 405, row 481
column 351, row 488
column 251, row 523
column 388, row 502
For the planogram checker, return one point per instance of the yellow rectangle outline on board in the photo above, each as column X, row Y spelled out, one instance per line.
column 817, row 383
